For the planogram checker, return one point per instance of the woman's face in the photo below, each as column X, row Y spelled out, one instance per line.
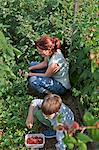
column 44, row 53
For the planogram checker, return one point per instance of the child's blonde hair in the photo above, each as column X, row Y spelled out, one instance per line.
column 51, row 104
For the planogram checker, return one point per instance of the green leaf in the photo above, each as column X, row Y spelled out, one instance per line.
column 7, row 70
column 9, row 51
column 84, row 138
column 5, row 47
column 59, row 118
column 3, row 41
column 70, row 146
column 5, row 67
column 72, row 140
column 94, row 133
column 89, row 118
column 69, row 139
column 17, row 52
column 94, row 65
column 82, row 146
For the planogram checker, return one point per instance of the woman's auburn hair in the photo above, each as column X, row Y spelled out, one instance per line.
column 48, row 43
column 51, row 104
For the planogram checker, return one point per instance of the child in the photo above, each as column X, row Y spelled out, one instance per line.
column 51, row 112
column 51, row 75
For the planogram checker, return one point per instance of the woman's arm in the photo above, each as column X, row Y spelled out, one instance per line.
column 52, row 69
column 39, row 66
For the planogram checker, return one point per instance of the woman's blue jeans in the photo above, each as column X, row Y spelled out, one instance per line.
column 45, row 84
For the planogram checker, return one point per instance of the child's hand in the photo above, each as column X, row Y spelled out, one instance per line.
column 30, row 125
column 59, row 127
column 29, row 122
column 62, row 127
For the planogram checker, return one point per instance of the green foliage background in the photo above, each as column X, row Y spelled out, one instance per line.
column 21, row 23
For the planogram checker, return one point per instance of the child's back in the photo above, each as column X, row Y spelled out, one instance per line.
column 52, row 113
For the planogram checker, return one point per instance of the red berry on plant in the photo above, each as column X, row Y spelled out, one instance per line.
column 75, row 125
column 97, row 62
column 97, row 124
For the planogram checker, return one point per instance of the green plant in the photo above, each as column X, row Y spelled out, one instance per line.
column 21, row 23
column 83, row 68
column 75, row 136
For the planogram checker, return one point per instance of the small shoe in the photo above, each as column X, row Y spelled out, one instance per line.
column 49, row 133
column 57, row 146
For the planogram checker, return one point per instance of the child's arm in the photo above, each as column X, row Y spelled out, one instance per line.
column 52, row 69
column 33, row 105
column 40, row 65
column 29, row 120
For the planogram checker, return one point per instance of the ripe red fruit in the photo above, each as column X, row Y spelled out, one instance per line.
column 40, row 140
column 97, row 124
column 75, row 125
column 30, row 140
column 34, row 140
column 97, row 62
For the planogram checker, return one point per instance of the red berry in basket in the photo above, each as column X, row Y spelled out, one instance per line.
column 36, row 137
column 35, row 140
column 40, row 140
column 30, row 140
column 75, row 125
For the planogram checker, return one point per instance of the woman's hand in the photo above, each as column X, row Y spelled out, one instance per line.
column 30, row 74
column 30, row 68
